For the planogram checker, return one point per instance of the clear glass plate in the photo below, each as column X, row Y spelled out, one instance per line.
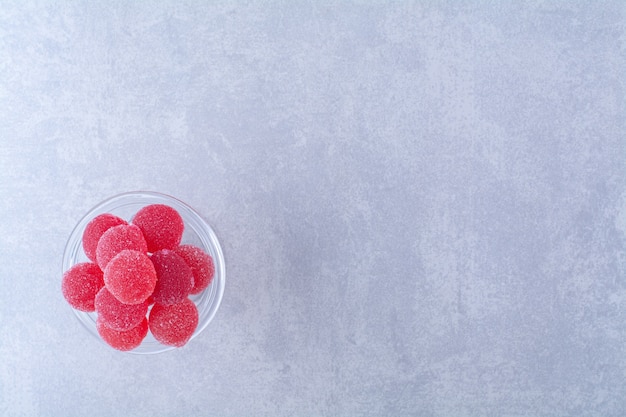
column 197, row 232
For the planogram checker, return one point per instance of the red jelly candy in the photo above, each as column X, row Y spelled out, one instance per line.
column 123, row 340
column 130, row 277
column 201, row 265
column 116, row 315
column 174, row 277
column 161, row 225
column 150, row 300
column 80, row 285
column 94, row 230
column 173, row 325
column 117, row 239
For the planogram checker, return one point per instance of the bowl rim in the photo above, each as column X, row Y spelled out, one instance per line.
column 208, row 301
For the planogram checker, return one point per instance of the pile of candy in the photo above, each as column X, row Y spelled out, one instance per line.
column 140, row 278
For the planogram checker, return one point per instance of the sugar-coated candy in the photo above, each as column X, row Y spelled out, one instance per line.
column 80, row 285
column 201, row 265
column 116, row 315
column 94, row 230
column 116, row 239
column 174, row 277
column 161, row 225
column 123, row 340
column 130, row 277
column 174, row 324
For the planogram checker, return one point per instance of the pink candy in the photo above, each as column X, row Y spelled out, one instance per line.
column 140, row 278
column 130, row 277
column 174, row 324
column 174, row 277
column 123, row 340
column 94, row 230
column 117, row 315
column 161, row 225
column 117, row 239
column 201, row 265
column 80, row 285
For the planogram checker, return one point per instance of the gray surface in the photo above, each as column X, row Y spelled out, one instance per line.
column 421, row 205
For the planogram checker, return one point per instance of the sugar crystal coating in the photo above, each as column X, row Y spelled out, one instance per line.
column 130, row 277
column 94, row 230
column 173, row 325
column 116, row 315
column 123, row 340
column 161, row 225
column 80, row 284
column 116, row 239
column 174, row 277
column 201, row 265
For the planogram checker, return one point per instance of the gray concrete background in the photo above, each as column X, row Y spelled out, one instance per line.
column 421, row 204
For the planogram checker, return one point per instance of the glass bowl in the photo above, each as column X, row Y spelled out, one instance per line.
column 197, row 232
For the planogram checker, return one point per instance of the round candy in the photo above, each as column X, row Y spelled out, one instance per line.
column 118, row 238
column 94, row 230
column 116, row 315
column 201, row 265
column 123, row 340
column 173, row 325
column 80, row 285
column 161, row 225
column 174, row 277
column 130, row 277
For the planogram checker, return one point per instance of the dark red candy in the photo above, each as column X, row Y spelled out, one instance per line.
column 116, row 315
column 117, row 239
column 174, row 277
column 80, row 285
column 161, row 225
column 173, row 325
column 130, row 277
column 123, row 340
column 94, row 230
column 201, row 265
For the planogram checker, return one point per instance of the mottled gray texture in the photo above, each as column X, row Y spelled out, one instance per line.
column 421, row 204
